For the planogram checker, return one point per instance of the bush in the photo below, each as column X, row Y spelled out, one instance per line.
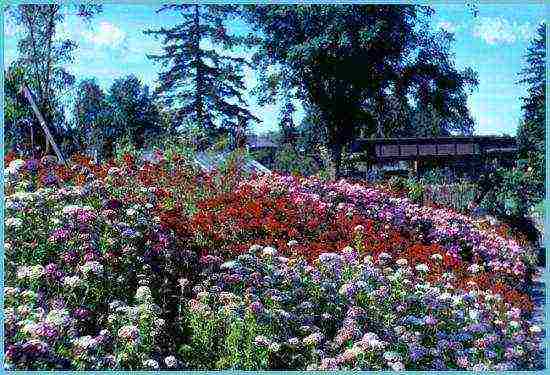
column 512, row 192
column 288, row 160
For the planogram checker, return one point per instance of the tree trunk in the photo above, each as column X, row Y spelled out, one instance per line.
column 334, row 160
column 198, row 78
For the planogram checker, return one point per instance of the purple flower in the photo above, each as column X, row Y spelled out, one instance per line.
column 256, row 307
column 417, row 353
column 49, row 179
column 430, row 320
column 113, row 204
column 31, row 164
column 81, row 313
column 129, row 233
column 59, row 235
column 47, row 331
column 51, row 269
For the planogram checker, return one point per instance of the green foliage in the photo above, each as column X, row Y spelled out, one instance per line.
column 289, row 160
column 202, row 84
column 92, row 115
column 532, row 130
column 223, row 340
column 397, row 184
column 41, row 64
column 513, row 193
column 317, row 50
column 133, row 112
column 415, row 190
column 435, row 176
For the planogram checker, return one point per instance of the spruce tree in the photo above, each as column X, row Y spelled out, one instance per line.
column 200, row 82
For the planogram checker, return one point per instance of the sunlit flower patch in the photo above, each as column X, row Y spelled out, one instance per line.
column 140, row 265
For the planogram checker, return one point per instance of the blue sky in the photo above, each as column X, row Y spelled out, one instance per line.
column 493, row 44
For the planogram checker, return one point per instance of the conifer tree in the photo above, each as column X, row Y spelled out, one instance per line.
column 200, row 82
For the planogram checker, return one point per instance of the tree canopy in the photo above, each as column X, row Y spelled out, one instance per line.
column 362, row 66
column 532, row 130
column 40, row 63
column 202, row 83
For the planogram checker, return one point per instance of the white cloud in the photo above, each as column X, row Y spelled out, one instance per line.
column 500, row 30
column 447, row 26
column 106, row 34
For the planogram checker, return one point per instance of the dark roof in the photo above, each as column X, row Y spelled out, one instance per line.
column 473, row 138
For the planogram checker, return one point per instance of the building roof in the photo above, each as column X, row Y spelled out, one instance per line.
column 260, row 141
column 207, row 162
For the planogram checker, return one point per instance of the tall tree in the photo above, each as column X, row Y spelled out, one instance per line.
column 532, row 130
column 350, row 61
column 92, row 115
column 286, row 123
column 201, row 82
column 42, row 56
column 134, row 113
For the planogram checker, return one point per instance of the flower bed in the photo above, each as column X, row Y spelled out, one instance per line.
column 153, row 265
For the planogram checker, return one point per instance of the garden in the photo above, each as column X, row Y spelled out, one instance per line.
column 148, row 265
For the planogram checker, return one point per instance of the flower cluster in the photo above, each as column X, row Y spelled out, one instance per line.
column 348, row 312
column 152, row 265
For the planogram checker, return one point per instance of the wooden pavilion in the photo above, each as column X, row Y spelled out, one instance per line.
column 465, row 156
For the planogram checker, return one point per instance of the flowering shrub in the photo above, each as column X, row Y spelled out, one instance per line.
column 348, row 312
column 147, row 265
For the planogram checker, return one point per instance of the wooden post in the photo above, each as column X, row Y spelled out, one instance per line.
column 27, row 93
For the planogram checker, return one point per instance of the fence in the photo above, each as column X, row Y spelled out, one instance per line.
column 455, row 196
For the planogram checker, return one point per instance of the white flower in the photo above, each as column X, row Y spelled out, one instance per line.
column 58, row 317
column 130, row 212
column 113, row 171
column 535, row 329
column 70, row 209
column 401, row 262
column 384, row 256
column 514, row 324
column 92, row 266
column 474, row 268
column 274, row 347
column 13, row 222
column 397, row 366
column 15, row 166
column 30, row 328
column 151, row 363
column 143, row 293
column 23, row 272
column 7, row 246
column 128, row 332
column 10, row 291
column 269, row 251
column 72, row 281
column 171, row 361
column 422, row 267
column 474, row 314
column 159, row 322
column 36, row 272
column 85, row 342
column 437, row 257
column 228, row 265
